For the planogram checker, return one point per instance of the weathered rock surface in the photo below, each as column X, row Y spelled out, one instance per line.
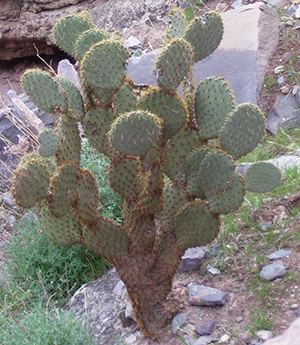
column 273, row 271
column 290, row 337
column 250, row 38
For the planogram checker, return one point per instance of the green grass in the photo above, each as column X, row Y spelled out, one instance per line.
column 45, row 271
column 98, row 164
column 40, row 327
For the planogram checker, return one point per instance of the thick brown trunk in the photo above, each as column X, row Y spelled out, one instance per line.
column 149, row 293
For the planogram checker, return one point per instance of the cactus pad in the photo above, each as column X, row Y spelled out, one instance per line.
column 195, row 225
column 97, row 122
column 44, row 91
column 63, row 190
column 123, row 177
column 173, row 64
column 87, row 202
column 168, row 107
column 125, row 99
column 134, row 133
column 86, row 40
column 68, row 29
column 178, row 25
column 103, row 65
column 243, row 130
column 262, row 177
column 177, row 150
column 30, row 183
column 64, row 231
column 75, row 101
column 213, row 101
column 205, row 34
column 48, row 143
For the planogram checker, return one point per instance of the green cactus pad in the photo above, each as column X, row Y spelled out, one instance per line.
column 213, row 102
column 173, row 64
column 125, row 99
column 195, row 225
column 216, row 170
column 44, row 91
column 48, row 143
column 87, row 39
column 178, row 25
column 262, row 177
column 75, row 101
column 97, row 122
column 228, row 199
column 204, row 34
column 102, row 97
column 122, row 177
column 68, row 29
column 30, row 183
column 178, row 149
column 167, row 106
column 174, row 198
column 64, row 231
column 63, row 190
column 134, row 133
column 192, row 167
column 87, row 202
column 69, row 141
column 103, row 65
column 107, row 239
column 243, row 129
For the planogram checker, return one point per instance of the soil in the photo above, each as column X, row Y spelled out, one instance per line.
column 236, row 278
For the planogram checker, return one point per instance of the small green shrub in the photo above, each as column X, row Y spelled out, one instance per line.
column 45, row 270
column 38, row 327
column 111, row 202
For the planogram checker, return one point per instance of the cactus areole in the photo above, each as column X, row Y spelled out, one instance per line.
column 150, row 137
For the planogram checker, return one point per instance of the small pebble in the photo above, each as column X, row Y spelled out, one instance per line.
column 279, row 69
column 285, row 90
column 280, row 81
column 239, row 319
column 265, row 335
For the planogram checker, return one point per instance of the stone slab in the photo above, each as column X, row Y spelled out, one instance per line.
column 250, row 37
column 204, row 295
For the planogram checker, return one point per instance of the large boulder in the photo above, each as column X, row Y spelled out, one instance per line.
column 290, row 337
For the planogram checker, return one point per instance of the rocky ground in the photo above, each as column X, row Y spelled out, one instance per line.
column 232, row 318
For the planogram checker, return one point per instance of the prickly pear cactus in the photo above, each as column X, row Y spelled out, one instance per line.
column 150, row 137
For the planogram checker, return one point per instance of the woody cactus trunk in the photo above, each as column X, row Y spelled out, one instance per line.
column 171, row 157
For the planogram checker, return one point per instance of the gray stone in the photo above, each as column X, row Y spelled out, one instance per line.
column 286, row 114
column 280, row 81
column 286, row 162
column 250, row 38
column 213, row 271
column 279, row 69
column 192, row 259
column 291, row 10
column 129, row 311
column 265, row 226
column 264, row 335
column 203, row 295
column 7, row 200
column 239, row 319
column 206, row 328
column 120, row 290
column 237, row 4
column 178, row 321
column 67, row 70
column 95, row 301
column 205, row 340
column 132, row 42
column 273, row 271
column 188, row 340
column 279, row 254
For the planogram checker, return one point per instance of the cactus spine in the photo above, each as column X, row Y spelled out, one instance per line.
column 147, row 139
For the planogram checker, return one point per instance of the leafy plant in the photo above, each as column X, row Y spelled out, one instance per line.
column 147, row 135
column 45, row 328
column 46, row 271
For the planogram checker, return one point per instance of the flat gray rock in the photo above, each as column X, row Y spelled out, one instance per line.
column 273, row 271
column 205, row 328
column 192, row 259
column 250, row 37
column 279, row 254
column 203, row 295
